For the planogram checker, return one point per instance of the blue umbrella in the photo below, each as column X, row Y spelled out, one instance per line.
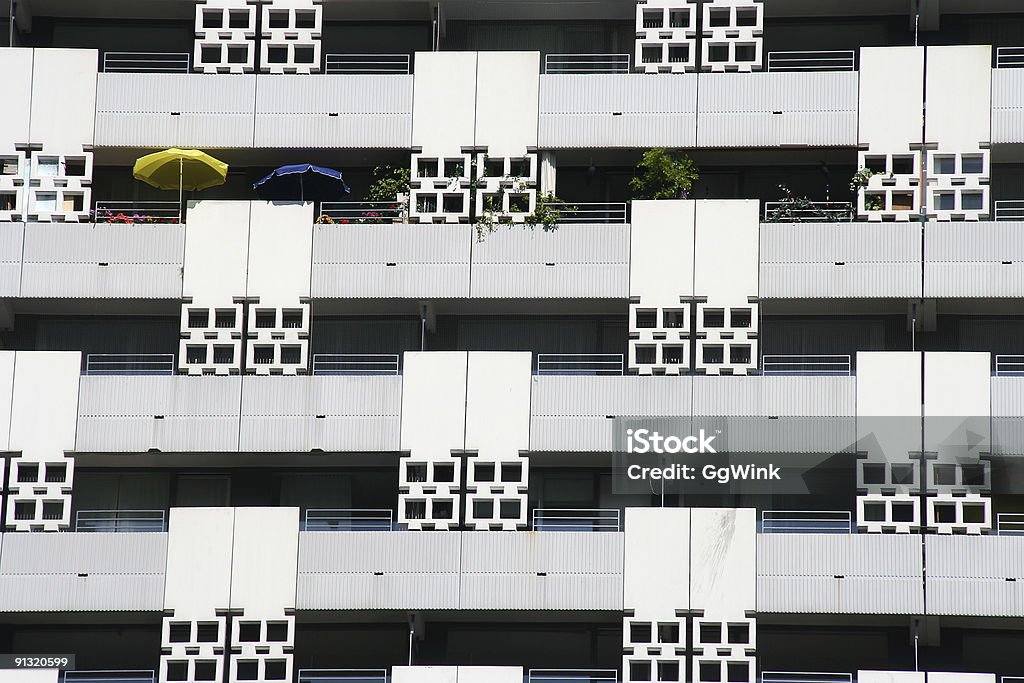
column 301, row 182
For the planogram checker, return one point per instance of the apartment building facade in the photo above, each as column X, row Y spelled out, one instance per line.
column 365, row 441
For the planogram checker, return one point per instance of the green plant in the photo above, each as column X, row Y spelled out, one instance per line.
column 548, row 212
column 663, row 174
column 861, row 179
column 793, row 209
column 388, row 183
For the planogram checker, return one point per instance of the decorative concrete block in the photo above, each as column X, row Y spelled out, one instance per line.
column 731, row 35
column 225, row 37
column 429, row 489
column 277, row 340
column 878, row 513
column 211, row 339
column 291, row 36
column 666, row 36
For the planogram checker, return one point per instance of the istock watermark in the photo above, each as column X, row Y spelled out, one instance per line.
column 651, row 441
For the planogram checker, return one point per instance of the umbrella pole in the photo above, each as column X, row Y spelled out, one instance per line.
column 181, row 183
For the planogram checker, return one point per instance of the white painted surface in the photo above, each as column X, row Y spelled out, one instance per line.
column 656, row 573
column 198, row 580
column 507, row 101
column 280, row 252
column 64, row 99
column 498, row 401
column 957, row 384
column 888, row 384
column 216, row 251
column 44, row 414
column 950, row 677
column 434, row 402
column 959, row 96
column 891, row 94
column 264, row 560
column 890, row 677
column 727, row 240
column 6, row 397
column 444, row 102
column 661, row 251
column 16, row 66
column 723, row 568
column 497, row 674
column 424, row 674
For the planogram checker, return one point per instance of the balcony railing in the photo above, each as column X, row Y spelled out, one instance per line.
column 579, row 364
column 364, row 64
column 1010, row 366
column 1010, row 57
column 356, row 363
column 147, row 62
column 120, row 521
column 590, row 212
column 552, row 519
column 129, row 364
column 828, row 365
column 348, row 520
column 343, row 676
column 813, row 60
column 809, row 212
column 806, row 522
column 361, row 212
column 572, row 676
column 137, row 212
column 1009, row 209
column 804, row 677
column 1010, row 524
column 586, row 64
column 108, row 677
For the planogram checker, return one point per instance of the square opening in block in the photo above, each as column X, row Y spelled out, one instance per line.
column 974, row 513
column 177, row 671
column 24, row 509
column 654, row 18
column 719, row 18
column 651, row 54
column 8, row 201
column 28, row 473
column 249, row 632
column 972, row 201
column 739, row 354
column 53, row 509
column 903, row 512
column 509, row 509
column 223, row 355
column 944, row 164
column 872, row 473
column 415, row 509
column 646, row 318
column 511, row 472
column 639, row 670
column 210, row 54
column 198, row 318
column 710, row 672
column 483, row 472
column 668, row 671
column 74, row 167
column 738, row 634
column 737, row 672
column 444, row 473
column 180, row 632
column 207, row 632
column 973, row 475
column 903, row 165
column 875, row 164
column 416, row 472
column 213, row 18
column 679, row 18
column 454, row 203
column 291, row 355
column 710, row 633
column 277, row 18
column 674, row 318
column 277, row 631
column 718, row 52
column 248, row 669
column 874, row 512
column 945, row 201
column 646, row 355
column 519, row 168
column 678, row 54
column 195, row 355
column 9, row 166
column 277, row 54
column 224, row 318
column 305, row 19
column 73, row 202
column 493, row 168
column 972, row 164
column 56, row 472
column 239, row 19
column 944, row 475
column 444, row 509
column 46, row 202
column 291, row 319
column 426, row 203
column 672, row 355
column 714, row 318
column 275, row 669
column 746, row 16
column 714, row 355
column 427, row 168
column 902, row 201
column 746, row 52
column 304, row 54
column 945, row 513
column 519, row 203
column 902, row 474
column 668, row 633
column 483, row 509
column 640, row 632
column 740, row 317
column 238, row 54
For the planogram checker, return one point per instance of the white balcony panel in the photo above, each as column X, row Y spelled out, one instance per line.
column 378, row 570
column 12, row 237
column 334, row 111
column 813, row 109
column 839, row 574
column 162, row 110
column 573, row 261
column 775, row 396
column 103, row 261
column 974, row 259
column 975, row 575
column 1008, row 415
column 391, row 261
column 535, row 592
column 840, row 260
column 617, row 110
column 82, row 572
column 176, row 413
column 1007, row 105
column 300, row 414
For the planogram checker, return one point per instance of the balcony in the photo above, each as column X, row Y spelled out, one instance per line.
column 980, row 259
column 975, row 575
column 120, row 521
column 348, row 520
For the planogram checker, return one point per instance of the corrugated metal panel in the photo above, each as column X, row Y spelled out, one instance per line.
column 71, row 572
column 797, row 573
column 532, row 592
column 11, row 240
column 531, row 552
column 367, row 591
column 396, row 552
column 983, row 280
column 840, row 260
column 974, row 259
column 425, row 261
column 621, row 110
column 775, row 396
column 1007, row 105
column 575, row 261
column 117, row 281
column 330, row 433
column 334, row 111
column 576, row 433
column 555, row 395
column 332, row 396
column 770, row 109
column 1008, row 397
column 1008, row 435
column 967, row 575
column 211, row 110
column 121, row 413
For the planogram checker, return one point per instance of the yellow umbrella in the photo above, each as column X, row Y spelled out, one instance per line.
column 180, row 169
